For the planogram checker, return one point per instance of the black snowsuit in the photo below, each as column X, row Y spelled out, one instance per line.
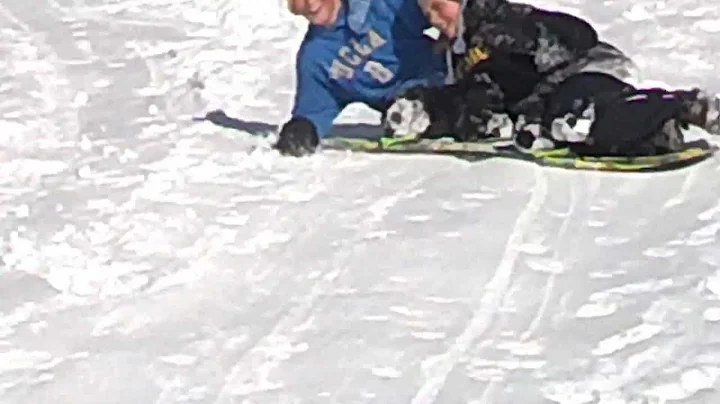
column 549, row 72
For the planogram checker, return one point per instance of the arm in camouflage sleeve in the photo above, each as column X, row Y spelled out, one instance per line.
column 551, row 37
column 557, row 42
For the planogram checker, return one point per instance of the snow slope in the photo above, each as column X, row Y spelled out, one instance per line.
column 150, row 259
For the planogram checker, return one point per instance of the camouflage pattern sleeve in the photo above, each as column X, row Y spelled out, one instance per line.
column 557, row 42
column 500, row 25
column 553, row 38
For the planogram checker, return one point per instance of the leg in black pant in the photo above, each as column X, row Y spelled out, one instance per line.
column 598, row 115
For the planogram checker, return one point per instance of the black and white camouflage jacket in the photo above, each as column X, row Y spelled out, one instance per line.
column 525, row 52
column 506, row 60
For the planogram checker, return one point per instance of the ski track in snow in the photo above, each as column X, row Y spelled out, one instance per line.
column 146, row 258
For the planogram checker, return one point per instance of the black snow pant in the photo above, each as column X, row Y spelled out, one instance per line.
column 624, row 120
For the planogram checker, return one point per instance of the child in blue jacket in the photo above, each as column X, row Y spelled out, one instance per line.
column 365, row 51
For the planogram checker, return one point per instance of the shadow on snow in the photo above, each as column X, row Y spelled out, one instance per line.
column 220, row 118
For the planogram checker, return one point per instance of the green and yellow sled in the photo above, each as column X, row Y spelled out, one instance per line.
column 693, row 153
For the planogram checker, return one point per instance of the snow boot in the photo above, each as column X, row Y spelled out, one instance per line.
column 701, row 109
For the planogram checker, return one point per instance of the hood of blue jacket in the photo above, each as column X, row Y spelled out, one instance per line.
column 356, row 14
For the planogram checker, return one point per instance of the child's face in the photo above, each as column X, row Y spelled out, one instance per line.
column 443, row 15
column 318, row 12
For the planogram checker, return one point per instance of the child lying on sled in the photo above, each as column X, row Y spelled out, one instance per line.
column 555, row 80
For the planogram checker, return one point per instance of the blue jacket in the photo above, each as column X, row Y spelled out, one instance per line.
column 375, row 49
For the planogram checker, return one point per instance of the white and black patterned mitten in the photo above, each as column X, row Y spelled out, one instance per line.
column 528, row 136
column 406, row 118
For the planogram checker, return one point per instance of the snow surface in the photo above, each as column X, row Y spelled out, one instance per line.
column 147, row 258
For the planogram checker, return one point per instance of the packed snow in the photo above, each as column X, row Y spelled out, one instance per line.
column 148, row 258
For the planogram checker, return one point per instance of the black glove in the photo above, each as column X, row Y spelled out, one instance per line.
column 297, row 137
